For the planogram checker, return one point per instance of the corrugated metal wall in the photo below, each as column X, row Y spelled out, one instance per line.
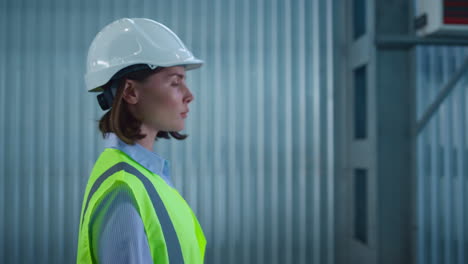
column 258, row 165
column 442, row 159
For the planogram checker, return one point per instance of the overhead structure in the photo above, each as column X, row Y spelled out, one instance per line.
column 442, row 18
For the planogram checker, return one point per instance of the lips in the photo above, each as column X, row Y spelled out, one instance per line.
column 184, row 114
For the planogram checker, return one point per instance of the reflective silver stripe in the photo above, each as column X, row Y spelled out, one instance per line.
column 170, row 236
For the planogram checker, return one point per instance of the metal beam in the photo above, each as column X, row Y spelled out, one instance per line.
column 441, row 96
column 399, row 41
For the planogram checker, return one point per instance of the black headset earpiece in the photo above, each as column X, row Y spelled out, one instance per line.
column 105, row 98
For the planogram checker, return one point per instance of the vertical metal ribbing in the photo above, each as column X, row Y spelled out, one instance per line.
column 14, row 199
column 232, row 181
column 17, row 154
column 247, row 190
column 421, row 159
column 218, row 167
column 434, row 172
column 68, row 156
column 463, row 168
column 58, row 113
column 302, row 177
column 205, row 145
column 459, row 127
column 273, row 91
column 75, row 156
column 447, row 147
column 44, row 174
column 29, row 104
column 316, row 136
column 3, row 137
column 260, row 138
column 288, row 134
column 453, row 148
column 462, row 116
column 3, row 83
column 422, row 179
column 330, row 145
column 78, row 158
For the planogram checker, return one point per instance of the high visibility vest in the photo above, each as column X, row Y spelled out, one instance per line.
column 173, row 231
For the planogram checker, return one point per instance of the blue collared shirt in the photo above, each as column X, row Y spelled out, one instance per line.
column 118, row 233
column 140, row 154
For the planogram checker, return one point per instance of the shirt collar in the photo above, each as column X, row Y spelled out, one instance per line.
column 144, row 157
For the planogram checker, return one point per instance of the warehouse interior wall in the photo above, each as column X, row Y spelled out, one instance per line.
column 442, row 158
column 401, row 187
column 442, row 151
column 274, row 166
column 258, row 165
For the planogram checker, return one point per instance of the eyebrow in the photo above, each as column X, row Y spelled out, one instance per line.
column 182, row 76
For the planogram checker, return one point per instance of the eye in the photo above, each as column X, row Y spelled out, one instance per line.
column 176, row 82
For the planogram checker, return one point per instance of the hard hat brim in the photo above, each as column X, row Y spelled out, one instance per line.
column 189, row 65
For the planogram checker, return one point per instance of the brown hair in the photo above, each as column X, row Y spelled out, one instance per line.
column 120, row 120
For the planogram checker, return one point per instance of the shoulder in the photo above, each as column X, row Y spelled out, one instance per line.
column 121, row 214
column 113, row 162
column 118, row 201
column 111, row 155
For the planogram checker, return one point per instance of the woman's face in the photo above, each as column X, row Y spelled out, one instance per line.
column 163, row 99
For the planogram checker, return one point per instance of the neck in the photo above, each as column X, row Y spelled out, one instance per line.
column 148, row 141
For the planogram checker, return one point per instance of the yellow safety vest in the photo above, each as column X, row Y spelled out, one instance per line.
column 173, row 231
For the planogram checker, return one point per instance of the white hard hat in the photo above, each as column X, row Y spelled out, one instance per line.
column 126, row 42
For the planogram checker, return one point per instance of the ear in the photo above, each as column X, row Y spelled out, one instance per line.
column 130, row 92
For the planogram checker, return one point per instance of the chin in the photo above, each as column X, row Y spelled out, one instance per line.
column 173, row 127
column 178, row 128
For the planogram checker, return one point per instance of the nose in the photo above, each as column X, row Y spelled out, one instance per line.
column 188, row 95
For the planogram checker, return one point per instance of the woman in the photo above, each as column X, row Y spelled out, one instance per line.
column 131, row 213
